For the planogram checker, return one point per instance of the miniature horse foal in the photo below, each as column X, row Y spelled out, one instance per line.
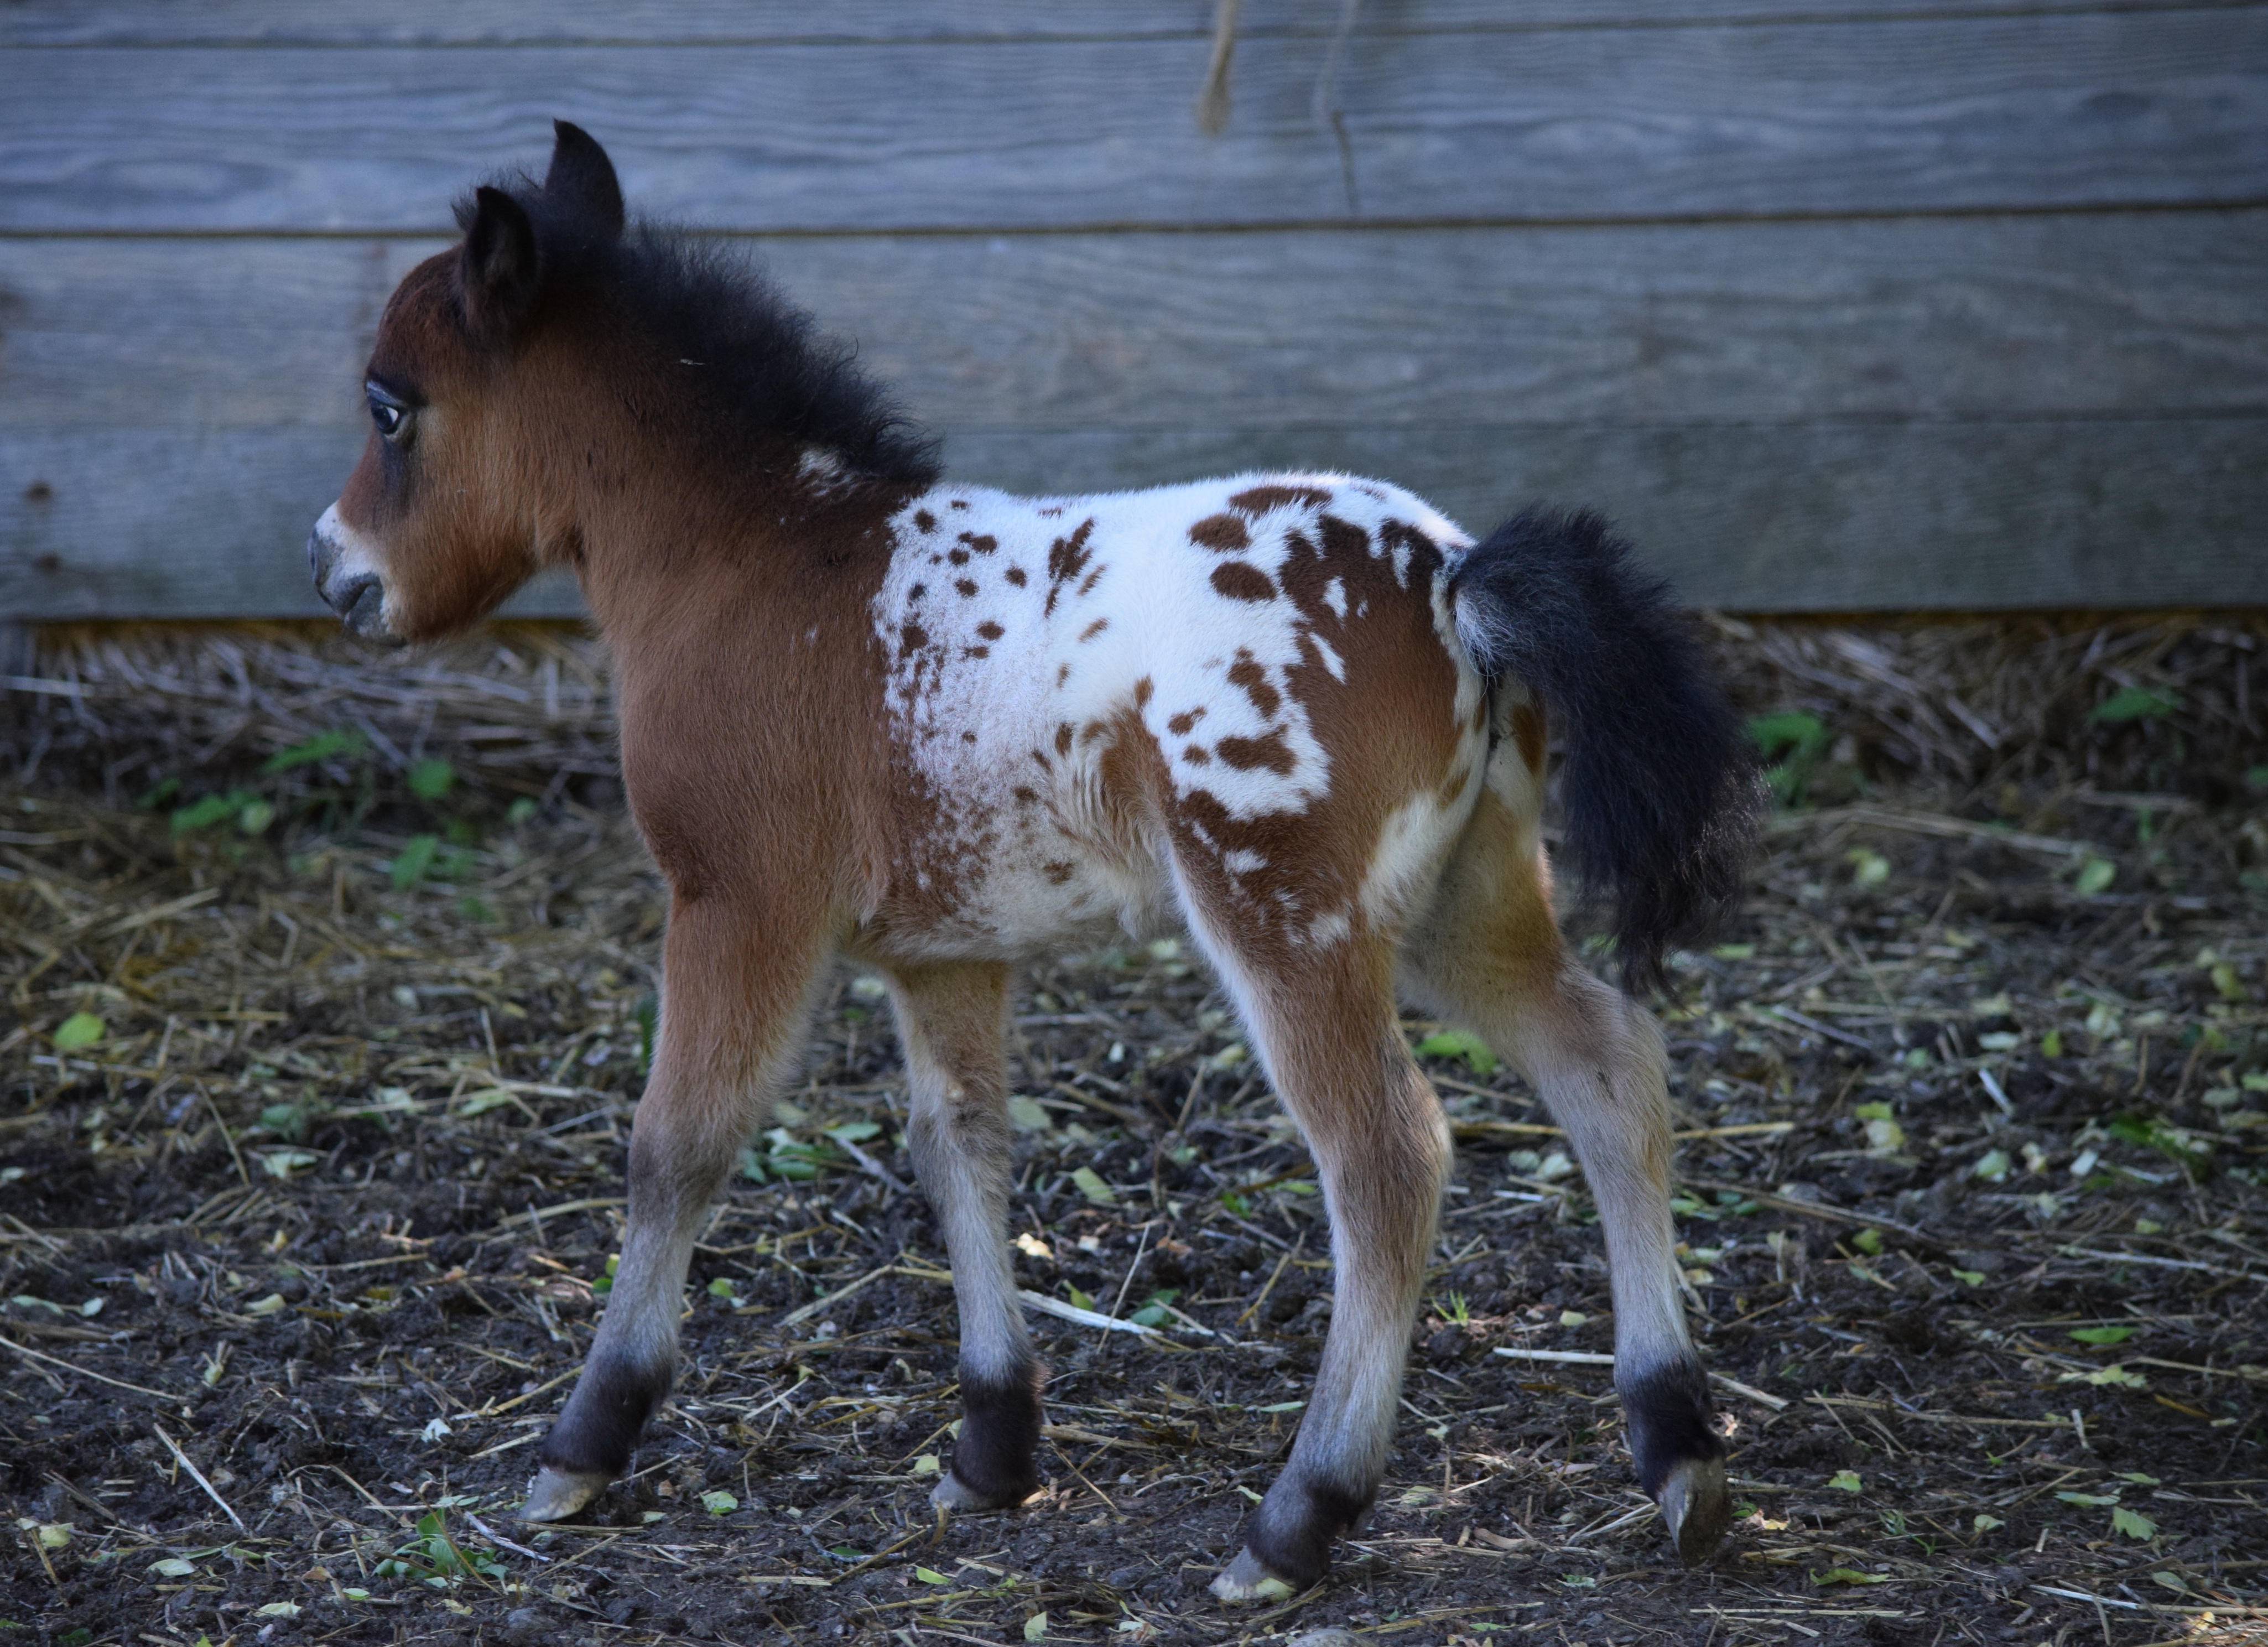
column 936, row 728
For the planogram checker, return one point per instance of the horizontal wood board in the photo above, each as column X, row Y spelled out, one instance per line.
column 1975, row 318
column 1812, row 517
column 77, row 22
column 1870, row 116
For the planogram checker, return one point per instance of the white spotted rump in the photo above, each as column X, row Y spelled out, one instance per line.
column 1028, row 638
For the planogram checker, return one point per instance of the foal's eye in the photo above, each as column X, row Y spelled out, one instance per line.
column 389, row 414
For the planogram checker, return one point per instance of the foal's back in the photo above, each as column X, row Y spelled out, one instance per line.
column 1087, row 696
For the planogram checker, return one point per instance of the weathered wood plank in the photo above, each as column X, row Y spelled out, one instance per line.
column 77, row 22
column 1749, row 517
column 2141, row 312
column 1572, row 125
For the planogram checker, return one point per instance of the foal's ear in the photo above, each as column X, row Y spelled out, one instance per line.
column 581, row 172
column 500, row 268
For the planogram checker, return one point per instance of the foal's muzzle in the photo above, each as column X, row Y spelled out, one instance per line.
column 345, row 581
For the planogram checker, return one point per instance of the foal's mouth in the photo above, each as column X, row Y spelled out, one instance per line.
column 349, row 588
column 360, row 606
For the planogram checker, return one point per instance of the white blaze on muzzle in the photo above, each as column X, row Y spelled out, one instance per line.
column 347, row 577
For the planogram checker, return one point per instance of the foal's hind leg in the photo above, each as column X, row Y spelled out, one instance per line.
column 735, row 999
column 1324, row 1021
column 952, row 1022
column 1489, row 956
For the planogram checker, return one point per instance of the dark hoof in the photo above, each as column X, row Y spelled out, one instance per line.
column 1697, row 1508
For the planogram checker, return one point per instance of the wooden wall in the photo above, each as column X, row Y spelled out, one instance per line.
column 1836, row 304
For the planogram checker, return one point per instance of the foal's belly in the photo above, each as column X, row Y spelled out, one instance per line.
column 1022, row 858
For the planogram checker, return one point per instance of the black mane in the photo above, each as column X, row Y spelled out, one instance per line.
column 765, row 367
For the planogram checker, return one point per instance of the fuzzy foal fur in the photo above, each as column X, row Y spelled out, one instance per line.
column 937, row 728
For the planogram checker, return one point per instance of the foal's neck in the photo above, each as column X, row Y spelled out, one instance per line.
column 669, row 539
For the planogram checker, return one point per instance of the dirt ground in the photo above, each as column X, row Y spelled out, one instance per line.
column 316, row 1075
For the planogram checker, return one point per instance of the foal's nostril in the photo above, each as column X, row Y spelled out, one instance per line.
column 319, row 557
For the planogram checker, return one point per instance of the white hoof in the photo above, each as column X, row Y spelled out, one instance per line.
column 555, row 1494
column 952, row 1494
column 1244, row 1580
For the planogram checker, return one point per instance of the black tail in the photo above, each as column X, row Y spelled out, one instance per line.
column 1659, row 783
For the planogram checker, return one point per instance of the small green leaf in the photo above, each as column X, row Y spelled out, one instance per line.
column 173, row 1567
column 416, row 857
column 2132, row 703
column 205, row 813
column 1792, row 730
column 1795, row 740
column 1457, row 1044
column 1081, row 1300
column 2051, row 1044
column 931, row 1576
column 2137, row 1478
column 1154, row 1313
column 278, row 1610
column 1029, row 1115
column 1091, row 1186
column 719, row 1504
column 2093, row 1501
column 2133, row 1524
column 323, row 747
column 2095, row 875
column 720, row 1288
column 1868, row 1241
column 254, row 817
column 1846, row 1482
column 1849, row 1575
column 2102, row 1335
column 1578, row 1581
column 1035, row 1628
column 1992, row 1164
column 1984, row 1524
column 80, row 1030
column 430, row 780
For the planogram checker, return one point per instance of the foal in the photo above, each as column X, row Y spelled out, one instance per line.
column 868, row 712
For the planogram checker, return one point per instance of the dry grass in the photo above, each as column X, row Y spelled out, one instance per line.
column 342, row 1170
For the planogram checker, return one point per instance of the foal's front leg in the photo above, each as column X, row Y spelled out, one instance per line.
column 734, row 1003
column 952, row 1021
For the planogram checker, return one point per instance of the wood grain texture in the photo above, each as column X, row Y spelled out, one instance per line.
column 1569, row 125
column 1678, row 323
column 78, row 23
column 2063, row 513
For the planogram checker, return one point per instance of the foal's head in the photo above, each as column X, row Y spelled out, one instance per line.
column 553, row 377
column 446, row 516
